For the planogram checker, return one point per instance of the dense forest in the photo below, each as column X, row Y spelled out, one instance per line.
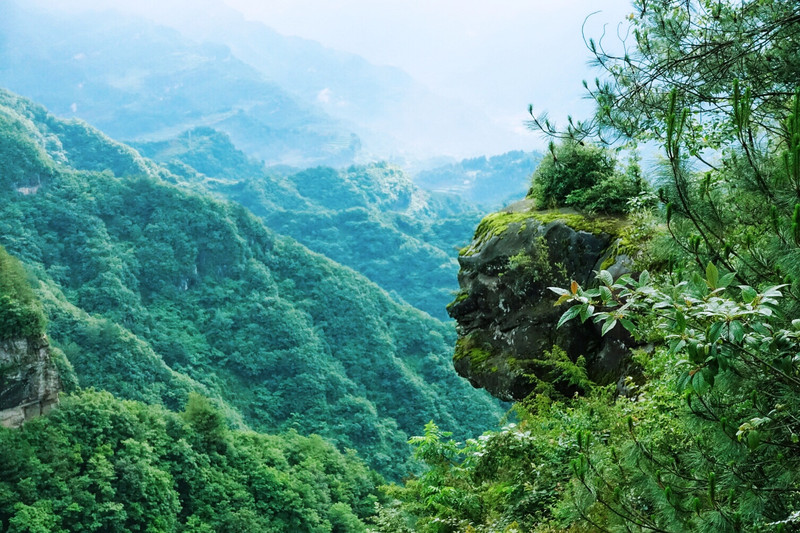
column 155, row 290
column 371, row 218
column 237, row 350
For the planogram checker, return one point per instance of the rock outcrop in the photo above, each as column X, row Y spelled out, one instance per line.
column 29, row 382
column 504, row 311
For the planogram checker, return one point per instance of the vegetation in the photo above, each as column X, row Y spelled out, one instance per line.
column 101, row 464
column 703, row 435
column 584, row 176
column 154, row 291
column 370, row 218
column 20, row 311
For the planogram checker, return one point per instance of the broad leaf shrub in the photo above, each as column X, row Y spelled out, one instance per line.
column 727, row 457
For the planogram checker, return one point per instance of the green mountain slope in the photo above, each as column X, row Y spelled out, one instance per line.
column 97, row 463
column 370, row 218
column 154, row 291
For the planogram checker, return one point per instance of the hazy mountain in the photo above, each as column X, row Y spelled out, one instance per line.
column 138, row 80
column 282, row 99
column 396, row 116
column 487, row 182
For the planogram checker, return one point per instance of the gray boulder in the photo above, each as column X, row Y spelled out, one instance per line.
column 508, row 343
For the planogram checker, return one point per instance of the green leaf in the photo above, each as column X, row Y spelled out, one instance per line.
column 753, row 439
column 606, row 277
column 714, row 332
column 644, row 278
column 561, row 299
column 605, row 294
column 677, row 345
column 627, row 324
column 559, row 291
column 709, row 374
column 712, row 276
column 699, row 383
column 735, row 331
column 609, row 324
column 748, row 293
column 586, row 312
column 683, row 381
column 569, row 314
column 726, row 280
column 680, row 321
column 774, row 292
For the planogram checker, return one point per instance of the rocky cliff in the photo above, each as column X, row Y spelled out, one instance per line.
column 508, row 342
column 29, row 382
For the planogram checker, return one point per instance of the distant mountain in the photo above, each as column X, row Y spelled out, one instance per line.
column 284, row 100
column 396, row 116
column 136, row 80
column 489, row 183
column 371, row 218
column 155, row 290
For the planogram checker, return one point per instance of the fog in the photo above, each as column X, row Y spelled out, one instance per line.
column 488, row 62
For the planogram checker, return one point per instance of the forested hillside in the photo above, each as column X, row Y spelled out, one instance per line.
column 371, row 218
column 154, row 291
column 235, row 341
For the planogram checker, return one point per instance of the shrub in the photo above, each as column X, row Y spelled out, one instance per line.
column 20, row 312
column 585, row 177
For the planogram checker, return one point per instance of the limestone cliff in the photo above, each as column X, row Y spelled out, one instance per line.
column 29, row 382
column 504, row 311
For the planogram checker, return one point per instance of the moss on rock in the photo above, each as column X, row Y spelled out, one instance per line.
column 591, row 224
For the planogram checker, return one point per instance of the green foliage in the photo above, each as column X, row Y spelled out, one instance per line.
column 371, row 218
column 25, row 163
column 555, row 374
column 584, row 176
column 155, row 291
column 706, row 438
column 736, row 381
column 20, row 311
column 101, row 464
column 509, row 480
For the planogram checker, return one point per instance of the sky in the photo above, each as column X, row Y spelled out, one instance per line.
column 497, row 57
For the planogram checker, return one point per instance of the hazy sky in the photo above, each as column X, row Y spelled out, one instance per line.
column 499, row 55
column 495, row 56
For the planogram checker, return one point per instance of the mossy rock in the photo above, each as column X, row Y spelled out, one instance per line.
column 504, row 310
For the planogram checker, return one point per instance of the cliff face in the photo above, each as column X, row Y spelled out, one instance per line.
column 29, row 382
column 504, row 311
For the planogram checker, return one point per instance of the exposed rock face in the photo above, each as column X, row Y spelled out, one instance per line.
column 504, row 311
column 29, row 382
